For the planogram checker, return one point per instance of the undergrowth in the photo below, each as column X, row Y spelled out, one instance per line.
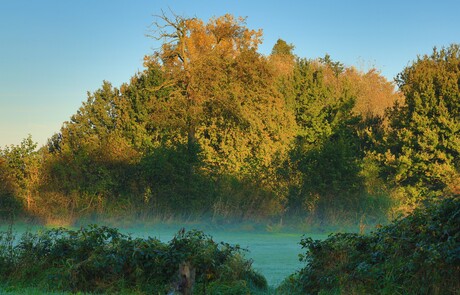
column 101, row 259
column 418, row 254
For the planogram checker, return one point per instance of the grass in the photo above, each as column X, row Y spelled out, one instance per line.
column 262, row 239
column 18, row 290
column 260, row 243
column 102, row 259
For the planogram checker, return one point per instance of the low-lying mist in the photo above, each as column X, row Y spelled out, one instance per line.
column 273, row 249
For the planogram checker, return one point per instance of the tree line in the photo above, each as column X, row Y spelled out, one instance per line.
column 211, row 127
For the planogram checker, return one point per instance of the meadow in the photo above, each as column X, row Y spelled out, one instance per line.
column 275, row 254
column 416, row 254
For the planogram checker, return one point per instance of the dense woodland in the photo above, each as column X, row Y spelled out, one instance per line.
column 212, row 128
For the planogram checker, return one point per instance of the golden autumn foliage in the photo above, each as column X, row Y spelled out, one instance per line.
column 223, row 91
column 374, row 94
column 213, row 127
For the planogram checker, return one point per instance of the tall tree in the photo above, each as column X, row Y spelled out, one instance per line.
column 20, row 171
column 323, row 162
column 423, row 143
column 93, row 155
column 282, row 58
column 374, row 94
column 338, row 122
column 222, row 90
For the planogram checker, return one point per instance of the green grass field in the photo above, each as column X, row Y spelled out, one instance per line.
column 274, row 254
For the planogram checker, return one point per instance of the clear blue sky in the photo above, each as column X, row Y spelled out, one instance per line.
column 53, row 51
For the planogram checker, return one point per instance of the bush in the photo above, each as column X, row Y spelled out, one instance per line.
column 418, row 254
column 101, row 259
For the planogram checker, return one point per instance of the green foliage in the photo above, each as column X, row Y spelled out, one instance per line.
column 169, row 180
column 101, row 259
column 19, row 177
column 325, row 171
column 336, row 66
column 191, row 120
column 95, row 158
column 423, row 149
column 418, row 254
column 9, row 203
column 7, row 253
column 212, row 127
column 282, row 48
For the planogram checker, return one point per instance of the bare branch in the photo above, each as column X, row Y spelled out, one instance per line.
column 163, row 22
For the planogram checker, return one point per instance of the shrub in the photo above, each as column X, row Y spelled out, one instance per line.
column 101, row 259
column 418, row 254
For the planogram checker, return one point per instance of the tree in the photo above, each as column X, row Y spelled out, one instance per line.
column 145, row 123
column 189, row 46
column 205, row 109
column 9, row 201
column 323, row 162
column 222, row 91
column 281, row 47
column 423, row 142
column 222, row 102
column 20, row 170
column 92, row 159
column 374, row 94
column 99, row 116
column 328, row 170
column 282, row 58
column 336, row 66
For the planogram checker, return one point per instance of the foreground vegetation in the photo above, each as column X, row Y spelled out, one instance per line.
column 419, row 254
column 101, row 259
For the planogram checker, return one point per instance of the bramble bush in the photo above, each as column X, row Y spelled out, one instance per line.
column 101, row 259
column 418, row 254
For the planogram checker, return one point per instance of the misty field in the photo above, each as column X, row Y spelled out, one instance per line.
column 275, row 254
column 416, row 254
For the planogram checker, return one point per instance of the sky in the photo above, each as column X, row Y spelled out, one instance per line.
column 52, row 52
